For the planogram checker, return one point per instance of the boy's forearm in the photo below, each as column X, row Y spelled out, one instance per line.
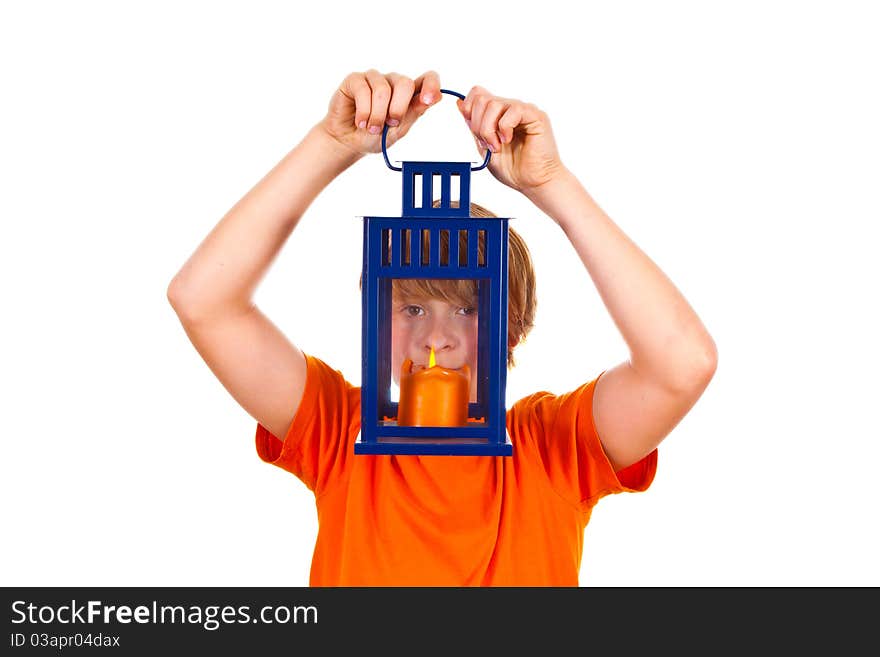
column 666, row 339
column 226, row 267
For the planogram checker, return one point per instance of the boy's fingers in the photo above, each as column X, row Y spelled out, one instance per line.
column 508, row 122
column 478, row 108
column 381, row 96
column 531, row 113
column 530, row 117
column 493, row 119
column 402, row 92
column 355, row 87
column 466, row 105
column 488, row 128
column 427, row 86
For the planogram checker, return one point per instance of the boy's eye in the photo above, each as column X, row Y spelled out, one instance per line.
column 413, row 311
column 469, row 310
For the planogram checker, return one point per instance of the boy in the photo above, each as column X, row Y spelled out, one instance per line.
column 440, row 520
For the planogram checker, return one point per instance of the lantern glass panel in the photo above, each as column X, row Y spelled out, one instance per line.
column 443, row 314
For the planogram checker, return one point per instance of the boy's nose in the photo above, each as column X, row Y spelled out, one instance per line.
column 440, row 338
column 441, row 344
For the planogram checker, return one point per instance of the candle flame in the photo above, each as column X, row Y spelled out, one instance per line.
column 432, row 361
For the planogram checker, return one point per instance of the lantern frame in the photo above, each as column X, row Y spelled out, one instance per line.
column 384, row 259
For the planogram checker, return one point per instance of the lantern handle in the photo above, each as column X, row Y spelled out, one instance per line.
column 394, row 168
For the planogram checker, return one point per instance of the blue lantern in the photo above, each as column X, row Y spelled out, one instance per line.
column 409, row 247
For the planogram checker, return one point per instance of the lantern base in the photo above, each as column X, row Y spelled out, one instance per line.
column 435, row 447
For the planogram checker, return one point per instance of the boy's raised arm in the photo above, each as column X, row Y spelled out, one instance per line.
column 672, row 356
column 224, row 271
column 212, row 293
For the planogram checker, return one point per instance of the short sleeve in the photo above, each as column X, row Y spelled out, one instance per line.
column 560, row 430
column 320, row 437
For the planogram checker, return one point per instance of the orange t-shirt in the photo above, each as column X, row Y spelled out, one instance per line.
column 388, row 520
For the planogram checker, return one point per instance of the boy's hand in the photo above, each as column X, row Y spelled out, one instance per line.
column 524, row 153
column 365, row 102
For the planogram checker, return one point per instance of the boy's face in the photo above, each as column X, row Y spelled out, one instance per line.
column 417, row 323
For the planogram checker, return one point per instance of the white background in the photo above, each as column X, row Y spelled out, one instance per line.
column 736, row 143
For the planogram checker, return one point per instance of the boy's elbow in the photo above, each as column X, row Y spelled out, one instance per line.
column 694, row 369
column 705, row 364
column 173, row 293
column 177, row 297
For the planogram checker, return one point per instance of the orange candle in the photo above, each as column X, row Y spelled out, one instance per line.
column 433, row 397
